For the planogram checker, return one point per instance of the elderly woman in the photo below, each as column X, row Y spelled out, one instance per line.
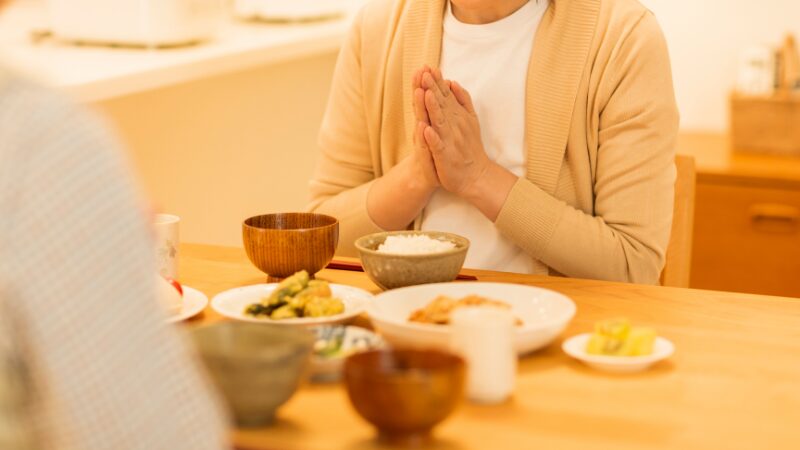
column 543, row 131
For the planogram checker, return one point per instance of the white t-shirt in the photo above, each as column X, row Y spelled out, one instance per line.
column 491, row 62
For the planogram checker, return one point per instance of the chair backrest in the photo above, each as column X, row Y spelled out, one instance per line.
column 679, row 252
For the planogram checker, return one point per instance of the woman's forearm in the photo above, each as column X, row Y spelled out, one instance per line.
column 489, row 191
column 629, row 245
column 398, row 197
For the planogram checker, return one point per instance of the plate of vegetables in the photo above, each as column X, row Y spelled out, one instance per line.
column 617, row 346
column 297, row 300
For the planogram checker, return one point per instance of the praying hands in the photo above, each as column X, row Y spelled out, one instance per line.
column 447, row 143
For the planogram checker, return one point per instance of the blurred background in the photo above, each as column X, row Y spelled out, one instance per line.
column 225, row 127
column 706, row 39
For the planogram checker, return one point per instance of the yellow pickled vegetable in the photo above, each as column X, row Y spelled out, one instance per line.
column 616, row 337
column 613, row 328
column 640, row 342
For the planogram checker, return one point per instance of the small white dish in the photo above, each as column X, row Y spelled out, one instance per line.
column 576, row 348
column 232, row 304
column 194, row 302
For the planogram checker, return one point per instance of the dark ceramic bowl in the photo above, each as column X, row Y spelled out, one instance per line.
column 391, row 271
column 404, row 393
column 256, row 367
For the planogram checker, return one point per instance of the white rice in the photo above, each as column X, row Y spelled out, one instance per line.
column 414, row 244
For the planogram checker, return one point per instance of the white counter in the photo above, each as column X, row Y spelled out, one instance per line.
column 99, row 73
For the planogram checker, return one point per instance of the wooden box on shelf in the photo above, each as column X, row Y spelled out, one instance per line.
column 766, row 124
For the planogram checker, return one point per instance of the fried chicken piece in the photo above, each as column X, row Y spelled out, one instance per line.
column 438, row 311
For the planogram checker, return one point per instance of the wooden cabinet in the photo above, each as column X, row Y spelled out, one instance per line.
column 747, row 219
column 747, row 239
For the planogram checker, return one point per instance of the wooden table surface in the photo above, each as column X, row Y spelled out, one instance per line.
column 733, row 383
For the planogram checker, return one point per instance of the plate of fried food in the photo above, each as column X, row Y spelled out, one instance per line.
column 419, row 316
column 297, row 300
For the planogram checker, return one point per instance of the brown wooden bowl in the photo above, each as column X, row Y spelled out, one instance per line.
column 285, row 243
column 404, row 393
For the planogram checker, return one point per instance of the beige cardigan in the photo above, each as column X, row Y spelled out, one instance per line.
column 600, row 133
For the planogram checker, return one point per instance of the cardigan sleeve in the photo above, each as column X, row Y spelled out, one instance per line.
column 627, row 237
column 344, row 171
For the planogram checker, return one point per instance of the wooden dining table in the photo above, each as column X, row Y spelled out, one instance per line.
column 733, row 382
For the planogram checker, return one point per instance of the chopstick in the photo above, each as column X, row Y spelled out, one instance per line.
column 357, row 267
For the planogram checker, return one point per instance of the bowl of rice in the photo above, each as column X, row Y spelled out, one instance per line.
column 407, row 258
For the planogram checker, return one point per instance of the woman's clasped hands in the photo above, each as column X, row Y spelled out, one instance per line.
column 447, row 139
column 448, row 153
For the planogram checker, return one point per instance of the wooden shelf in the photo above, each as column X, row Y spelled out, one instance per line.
column 717, row 162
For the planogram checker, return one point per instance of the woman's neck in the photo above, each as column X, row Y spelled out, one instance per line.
column 478, row 12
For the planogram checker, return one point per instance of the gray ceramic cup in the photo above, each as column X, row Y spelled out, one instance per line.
column 390, row 271
column 257, row 368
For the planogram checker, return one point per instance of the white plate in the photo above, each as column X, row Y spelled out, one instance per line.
column 576, row 347
column 544, row 313
column 194, row 302
column 232, row 304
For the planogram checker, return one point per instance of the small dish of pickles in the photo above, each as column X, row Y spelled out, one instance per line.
column 296, row 300
column 617, row 346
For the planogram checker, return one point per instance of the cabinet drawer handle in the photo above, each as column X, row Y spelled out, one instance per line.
column 775, row 213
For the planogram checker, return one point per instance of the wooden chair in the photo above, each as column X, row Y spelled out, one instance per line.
column 679, row 251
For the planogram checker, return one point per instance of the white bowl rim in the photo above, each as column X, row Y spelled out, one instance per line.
column 445, row 329
column 575, row 347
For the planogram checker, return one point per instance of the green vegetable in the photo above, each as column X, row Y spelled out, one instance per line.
column 288, row 288
column 284, row 312
column 258, row 309
column 298, row 296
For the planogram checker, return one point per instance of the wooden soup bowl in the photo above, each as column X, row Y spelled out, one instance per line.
column 284, row 243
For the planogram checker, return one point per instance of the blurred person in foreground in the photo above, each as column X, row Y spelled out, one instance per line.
column 86, row 360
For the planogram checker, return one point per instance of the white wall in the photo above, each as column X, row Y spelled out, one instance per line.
column 705, row 37
column 218, row 150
